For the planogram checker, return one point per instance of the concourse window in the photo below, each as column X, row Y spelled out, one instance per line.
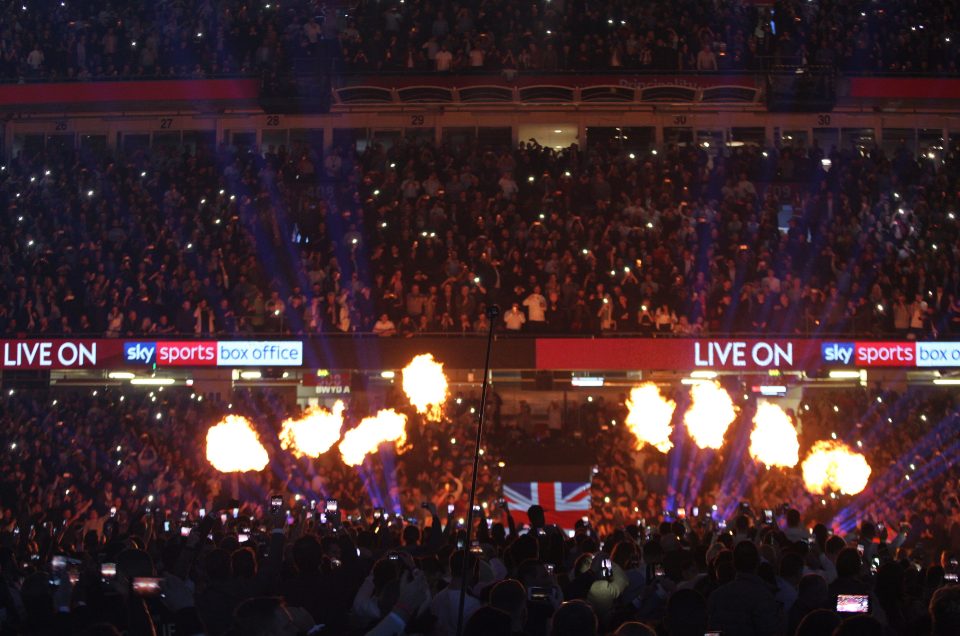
column 636, row 138
column 244, row 140
column 61, row 143
column 28, row 145
column 166, row 141
column 307, row 139
column 931, row 146
column 387, row 138
column 858, row 140
column 755, row 137
column 353, row 138
column 558, row 135
column 899, row 140
column 827, row 139
column 134, row 142
column 710, row 141
column 93, row 146
column 462, row 136
column 199, row 141
column 272, row 138
column 419, row 136
column 495, row 138
column 678, row 136
column 794, row 139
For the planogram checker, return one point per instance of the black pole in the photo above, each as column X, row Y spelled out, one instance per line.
column 493, row 312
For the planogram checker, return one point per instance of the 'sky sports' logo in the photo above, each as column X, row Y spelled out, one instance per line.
column 841, row 352
column 140, row 352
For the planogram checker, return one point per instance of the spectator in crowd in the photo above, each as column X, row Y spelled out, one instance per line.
column 514, row 318
column 384, row 326
column 443, row 59
column 706, row 60
column 536, row 306
column 745, row 605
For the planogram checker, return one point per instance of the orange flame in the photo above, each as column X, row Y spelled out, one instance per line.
column 426, row 386
column 314, row 433
column 649, row 417
column 233, row 446
column 831, row 465
column 385, row 426
column 709, row 415
column 773, row 441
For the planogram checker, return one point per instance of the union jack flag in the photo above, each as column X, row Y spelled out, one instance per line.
column 563, row 502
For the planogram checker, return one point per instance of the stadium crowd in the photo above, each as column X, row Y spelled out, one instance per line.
column 113, row 521
column 108, row 477
column 420, row 238
column 97, row 39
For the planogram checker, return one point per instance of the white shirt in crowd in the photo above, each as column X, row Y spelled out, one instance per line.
column 536, row 306
column 514, row 318
column 444, row 60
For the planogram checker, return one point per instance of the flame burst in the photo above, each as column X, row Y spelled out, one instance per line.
column 385, row 426
column 426, row 386
column 233, row 446
column 773, row 441
column 314, row 433
column 833, row 466
column 709, row 416
column 649, row 417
